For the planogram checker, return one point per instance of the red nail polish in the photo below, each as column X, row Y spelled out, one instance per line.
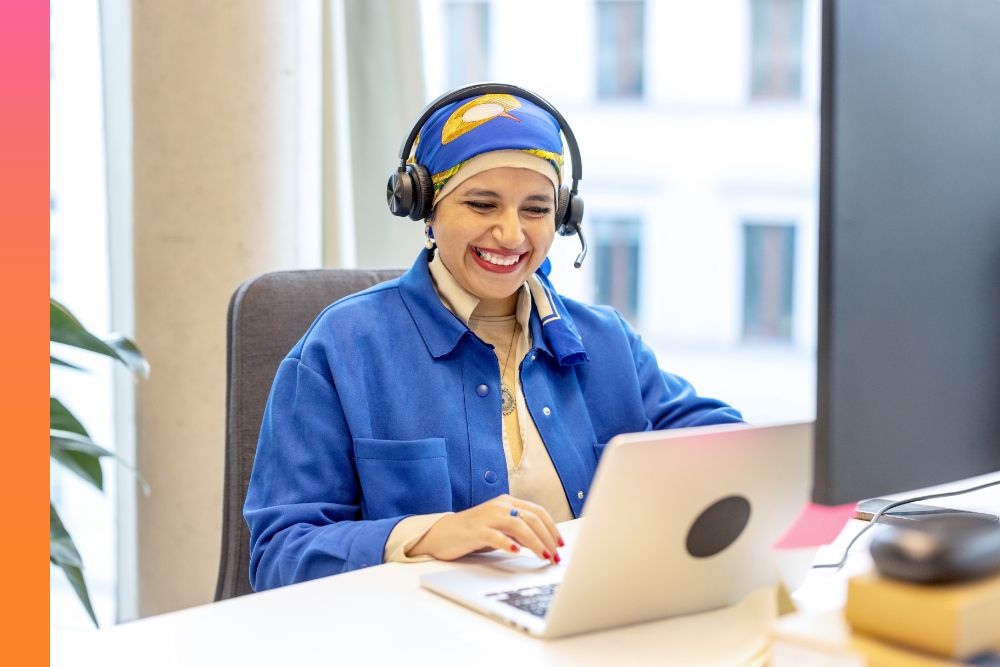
column 557, row 559
column 561, row 543
column 513, row 547
column 545, row 555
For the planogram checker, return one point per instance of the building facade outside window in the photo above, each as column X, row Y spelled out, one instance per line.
column 616, row 263
column 468, row 43
column 769, row 279
column 776, row 49
column 620, row 48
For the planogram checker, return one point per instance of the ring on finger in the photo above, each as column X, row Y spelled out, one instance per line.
column 514, row 512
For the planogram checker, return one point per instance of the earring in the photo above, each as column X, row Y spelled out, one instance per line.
column 429, row 235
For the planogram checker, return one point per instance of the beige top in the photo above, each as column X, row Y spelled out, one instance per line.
column 530, row 473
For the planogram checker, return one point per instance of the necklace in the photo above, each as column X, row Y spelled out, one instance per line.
column 506, row 395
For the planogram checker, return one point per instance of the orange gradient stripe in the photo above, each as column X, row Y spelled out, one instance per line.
column 24, row 379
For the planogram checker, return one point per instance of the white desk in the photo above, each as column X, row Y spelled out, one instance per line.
column 380, row 616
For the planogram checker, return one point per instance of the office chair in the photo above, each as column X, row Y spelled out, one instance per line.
column 267, row 316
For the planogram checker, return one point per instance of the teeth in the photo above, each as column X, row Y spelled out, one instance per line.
column 500, row 260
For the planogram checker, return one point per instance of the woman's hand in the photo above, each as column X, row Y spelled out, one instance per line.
column 505, row 523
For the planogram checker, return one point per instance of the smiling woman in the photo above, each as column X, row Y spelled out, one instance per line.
column 462, row 407
column 494, row 231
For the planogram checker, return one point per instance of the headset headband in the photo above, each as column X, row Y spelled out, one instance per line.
column 486, row 88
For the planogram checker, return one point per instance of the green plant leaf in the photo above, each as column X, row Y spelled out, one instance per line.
column 129, row 353
column 66, row 329
column 81, row 455
column 61, row 419
column 69, row 442
column 75, row 576
column 56, row 361
column 63, row 553
column 74, row 442
column 84, row 465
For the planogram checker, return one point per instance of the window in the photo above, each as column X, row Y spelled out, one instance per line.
column 776, row 43
column 79, row 278
column 616, row 262
column 620, row 46
column 468, row 42
column 684, row 285
column 769, row 261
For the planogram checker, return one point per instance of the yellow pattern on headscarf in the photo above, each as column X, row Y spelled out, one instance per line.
column 458, row 124
column 555, row 158
column 440, row 178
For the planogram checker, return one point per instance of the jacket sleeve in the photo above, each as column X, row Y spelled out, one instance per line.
column 670, row 401
column 303, row 503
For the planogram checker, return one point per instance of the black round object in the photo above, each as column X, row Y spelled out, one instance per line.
column 718, row 526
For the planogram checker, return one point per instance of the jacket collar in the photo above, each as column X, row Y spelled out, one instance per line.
column 552, row 330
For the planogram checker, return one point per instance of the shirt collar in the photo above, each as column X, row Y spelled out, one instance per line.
column 439, row 327
column 463, row 303
column 442, row 326
column 455, row 298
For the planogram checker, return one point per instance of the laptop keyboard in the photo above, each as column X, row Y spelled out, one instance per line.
column 533, row 599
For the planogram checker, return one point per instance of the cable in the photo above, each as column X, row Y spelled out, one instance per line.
column 878, row 515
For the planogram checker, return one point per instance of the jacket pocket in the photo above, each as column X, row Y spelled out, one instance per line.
column 402, row 476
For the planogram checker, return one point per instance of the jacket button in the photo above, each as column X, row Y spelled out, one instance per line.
column 579, row 495
column 490, row 476
column 482, row 390
column 546, row 411
column 532, row 357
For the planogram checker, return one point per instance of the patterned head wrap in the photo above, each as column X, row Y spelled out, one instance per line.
column 484, row 132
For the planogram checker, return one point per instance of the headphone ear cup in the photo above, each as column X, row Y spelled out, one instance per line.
column 399, row 193
column 561, row 208
column 574, row 216
column 423, row 190
column 569, row 212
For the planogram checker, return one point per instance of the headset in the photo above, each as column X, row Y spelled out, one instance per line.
column 410, row 191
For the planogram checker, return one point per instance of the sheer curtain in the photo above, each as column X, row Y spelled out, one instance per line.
column 375, row 83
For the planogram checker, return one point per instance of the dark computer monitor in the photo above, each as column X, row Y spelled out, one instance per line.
column 908, row 365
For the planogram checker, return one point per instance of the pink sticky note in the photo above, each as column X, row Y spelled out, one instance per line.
column 816, row 525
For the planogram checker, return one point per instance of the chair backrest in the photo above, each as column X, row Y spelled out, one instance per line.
column 267, row 316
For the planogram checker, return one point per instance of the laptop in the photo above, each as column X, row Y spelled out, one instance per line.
column 677, row 522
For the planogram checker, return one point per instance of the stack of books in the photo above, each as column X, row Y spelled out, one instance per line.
column 889, row 623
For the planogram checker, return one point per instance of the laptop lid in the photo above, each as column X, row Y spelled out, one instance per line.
column 682, row 521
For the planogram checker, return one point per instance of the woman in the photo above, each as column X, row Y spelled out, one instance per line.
column 462, row 407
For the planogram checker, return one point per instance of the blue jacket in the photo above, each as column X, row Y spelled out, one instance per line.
column 389, row 406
